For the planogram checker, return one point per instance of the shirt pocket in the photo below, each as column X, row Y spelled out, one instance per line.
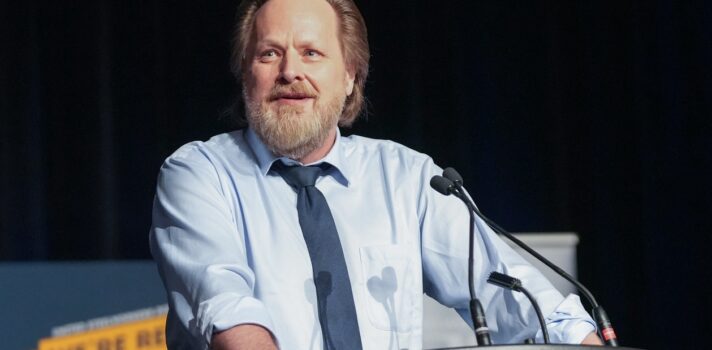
column 389, row 286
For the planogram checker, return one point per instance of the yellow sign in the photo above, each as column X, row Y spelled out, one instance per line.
column 148, row 334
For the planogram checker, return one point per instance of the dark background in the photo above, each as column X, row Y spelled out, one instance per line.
column 589, row 116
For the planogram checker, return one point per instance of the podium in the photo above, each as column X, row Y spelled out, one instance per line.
column 539, row 347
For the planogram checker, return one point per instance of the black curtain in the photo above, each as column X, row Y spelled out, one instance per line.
column 590, row 116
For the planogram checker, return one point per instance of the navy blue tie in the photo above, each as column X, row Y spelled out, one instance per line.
column 337, row 313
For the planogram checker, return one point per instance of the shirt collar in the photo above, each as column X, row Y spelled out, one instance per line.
column 335, row 157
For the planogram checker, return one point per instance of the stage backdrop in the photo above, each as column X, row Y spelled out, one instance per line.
column 586, row 116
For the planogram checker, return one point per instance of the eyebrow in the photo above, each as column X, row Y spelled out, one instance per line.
column 274, row 43
column 267, row 42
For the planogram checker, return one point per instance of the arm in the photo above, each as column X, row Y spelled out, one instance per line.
column 200, row 252
column 246, row 336
column 592, row 339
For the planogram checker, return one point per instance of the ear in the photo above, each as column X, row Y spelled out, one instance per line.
column 350, row 77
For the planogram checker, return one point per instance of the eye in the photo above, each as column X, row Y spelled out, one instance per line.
column 268, row 55
column 312, row 54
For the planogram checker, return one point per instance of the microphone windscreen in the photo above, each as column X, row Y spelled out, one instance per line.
column 452, row 175
column 441, row 184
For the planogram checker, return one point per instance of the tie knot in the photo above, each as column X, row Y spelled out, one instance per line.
column 298, row 176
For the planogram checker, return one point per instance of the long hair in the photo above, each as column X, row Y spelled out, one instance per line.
column 354, row 43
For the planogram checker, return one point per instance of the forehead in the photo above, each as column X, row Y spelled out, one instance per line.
column 303, row 19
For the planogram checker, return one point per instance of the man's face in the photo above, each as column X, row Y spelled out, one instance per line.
column 296, row 80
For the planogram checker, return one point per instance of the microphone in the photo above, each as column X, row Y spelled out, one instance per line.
column 442, row 185
column 447, row 187
column 452, row 175
column 599, row 314
column 514, row 284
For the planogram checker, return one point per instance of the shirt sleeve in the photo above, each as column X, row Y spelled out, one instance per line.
column 445, row 225
column 200, row 251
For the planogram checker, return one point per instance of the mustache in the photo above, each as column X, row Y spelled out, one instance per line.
column 294, row 90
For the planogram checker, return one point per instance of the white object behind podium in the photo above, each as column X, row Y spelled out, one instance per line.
column 443, row 327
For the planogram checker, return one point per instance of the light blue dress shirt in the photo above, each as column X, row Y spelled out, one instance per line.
column 229, row 249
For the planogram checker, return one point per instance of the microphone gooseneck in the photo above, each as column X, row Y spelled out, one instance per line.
column 514, row 284
column 447, row 187
column 599, row 314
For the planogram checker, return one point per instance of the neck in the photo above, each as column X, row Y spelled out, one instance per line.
column 321, row 151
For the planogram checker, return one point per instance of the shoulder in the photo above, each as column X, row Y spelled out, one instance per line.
column 385, row 151
column 211, row 158
column 227, row 143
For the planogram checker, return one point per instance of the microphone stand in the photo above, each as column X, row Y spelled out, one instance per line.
column 477, row 312
column 599, row 314
column 514, row 284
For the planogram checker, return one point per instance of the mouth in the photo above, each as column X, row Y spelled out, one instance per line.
column 293, row 98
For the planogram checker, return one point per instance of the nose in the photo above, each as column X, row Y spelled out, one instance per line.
column 291, row 68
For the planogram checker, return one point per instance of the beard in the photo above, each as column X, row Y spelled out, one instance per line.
column 287, row 130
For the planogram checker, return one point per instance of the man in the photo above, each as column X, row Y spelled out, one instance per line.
column 252, row 259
